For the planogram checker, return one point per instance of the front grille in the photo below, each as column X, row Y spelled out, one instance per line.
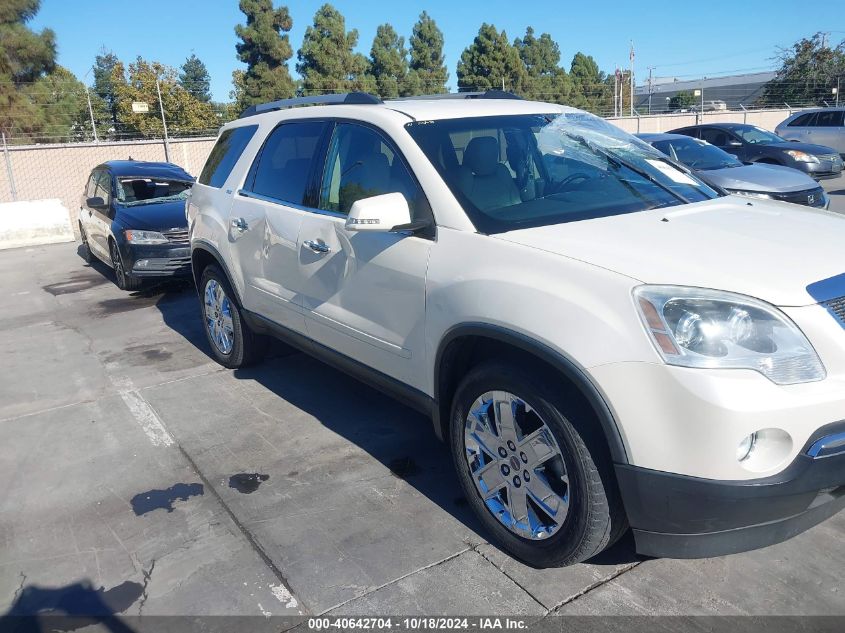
column 837, row 308
column 809, row 197
column 178, row 237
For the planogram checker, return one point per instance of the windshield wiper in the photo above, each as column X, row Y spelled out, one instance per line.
column 619, row 162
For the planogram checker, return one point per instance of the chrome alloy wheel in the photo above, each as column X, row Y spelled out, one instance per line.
column 516, row 465
column 218, row 317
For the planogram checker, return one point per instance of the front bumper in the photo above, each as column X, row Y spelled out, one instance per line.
column 164, row 260
column 829, row 167
column 688, row 517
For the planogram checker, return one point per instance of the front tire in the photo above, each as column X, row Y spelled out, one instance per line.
column 533, row 467
column 123, row 280
column 232, row 342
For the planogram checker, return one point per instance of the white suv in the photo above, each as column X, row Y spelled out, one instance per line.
column 603, row 339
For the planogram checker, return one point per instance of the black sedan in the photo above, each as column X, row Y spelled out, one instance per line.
column 752, row 144
column 132, row 217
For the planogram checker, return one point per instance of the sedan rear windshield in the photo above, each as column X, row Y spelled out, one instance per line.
column 137, row 191
column 519, row 171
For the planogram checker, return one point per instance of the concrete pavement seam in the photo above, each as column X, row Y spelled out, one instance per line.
column 599, row 583
column 511, row 578
column 395, row 580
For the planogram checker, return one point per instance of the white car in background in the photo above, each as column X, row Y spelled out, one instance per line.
column 602, row 339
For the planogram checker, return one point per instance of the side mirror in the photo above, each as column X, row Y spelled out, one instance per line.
column 387, row 212
column 95, row 203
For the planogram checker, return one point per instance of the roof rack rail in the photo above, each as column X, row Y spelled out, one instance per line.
column 354, row 98
column 488, row 94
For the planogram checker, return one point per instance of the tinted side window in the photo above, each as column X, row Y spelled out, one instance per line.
column 831, row 118
column 802, row 120
column 225, row 154
column 282, row 168
column 360, row 164
column 719, row 138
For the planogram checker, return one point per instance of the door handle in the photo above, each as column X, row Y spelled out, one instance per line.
column 240, row 225
column 318, row 246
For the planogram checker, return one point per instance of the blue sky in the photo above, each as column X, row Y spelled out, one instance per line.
column 682, row 39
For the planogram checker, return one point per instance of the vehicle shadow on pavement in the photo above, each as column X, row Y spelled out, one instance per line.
column 70, row 608
column 397, row 436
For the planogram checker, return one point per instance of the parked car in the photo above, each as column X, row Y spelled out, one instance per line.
column 752, row 144
column 717, row 167
column 132, row 217
column 714, row 105
column 825, row 126
column 602, row 338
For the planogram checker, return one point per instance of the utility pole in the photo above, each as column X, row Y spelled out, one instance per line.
column 650, row 89
column 632, row 77
column 163, row 123
column 617, row 76
column 91, row 114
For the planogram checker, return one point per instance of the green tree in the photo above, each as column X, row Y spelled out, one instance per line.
column 195, row 79
column 186, row 115
column 327, row 60
column 389, row 62
column 590, row 88
column 545, row 79
column 491, row 62
column 25, row 56
column 104, row 65
column 427, row 69
column 265, row 49
column 683, row 99
column 62, row 107
column 808, row 71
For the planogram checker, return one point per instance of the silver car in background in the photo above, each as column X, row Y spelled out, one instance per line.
column 723, row 170
column 823, row 126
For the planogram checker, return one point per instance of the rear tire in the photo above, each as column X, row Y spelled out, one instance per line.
column 85, row 248
column 578, row 512
column 123, row 280
column 232, row 341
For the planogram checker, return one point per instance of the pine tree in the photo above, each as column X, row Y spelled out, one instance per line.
column 265, row 49
column 591, row 91
column 195, row 79
column 545, row 79
column 427, row 71
column 327, row 61
column 24, row 57
column 491, row 62
column 389, row 62
column 62, row 107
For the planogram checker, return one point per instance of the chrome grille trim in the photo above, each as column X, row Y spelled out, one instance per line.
column 837, row 308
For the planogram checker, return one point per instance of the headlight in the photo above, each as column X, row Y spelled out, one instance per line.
column 696, row 327
column 802, row 157
column 750, row 194
column 144, row 237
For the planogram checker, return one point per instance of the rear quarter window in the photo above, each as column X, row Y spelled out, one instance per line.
column 225, row 154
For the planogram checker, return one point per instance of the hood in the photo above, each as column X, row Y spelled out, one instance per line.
column 765, row 249
column 160, row 216
column 810, row 148
column 760, row 177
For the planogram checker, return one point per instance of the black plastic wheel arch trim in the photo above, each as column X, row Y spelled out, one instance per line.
column 568, row 367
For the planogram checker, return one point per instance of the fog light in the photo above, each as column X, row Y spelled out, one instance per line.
column 745, row 447
column 142, row 263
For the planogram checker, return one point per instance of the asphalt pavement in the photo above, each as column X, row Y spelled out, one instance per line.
column 141, row 475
